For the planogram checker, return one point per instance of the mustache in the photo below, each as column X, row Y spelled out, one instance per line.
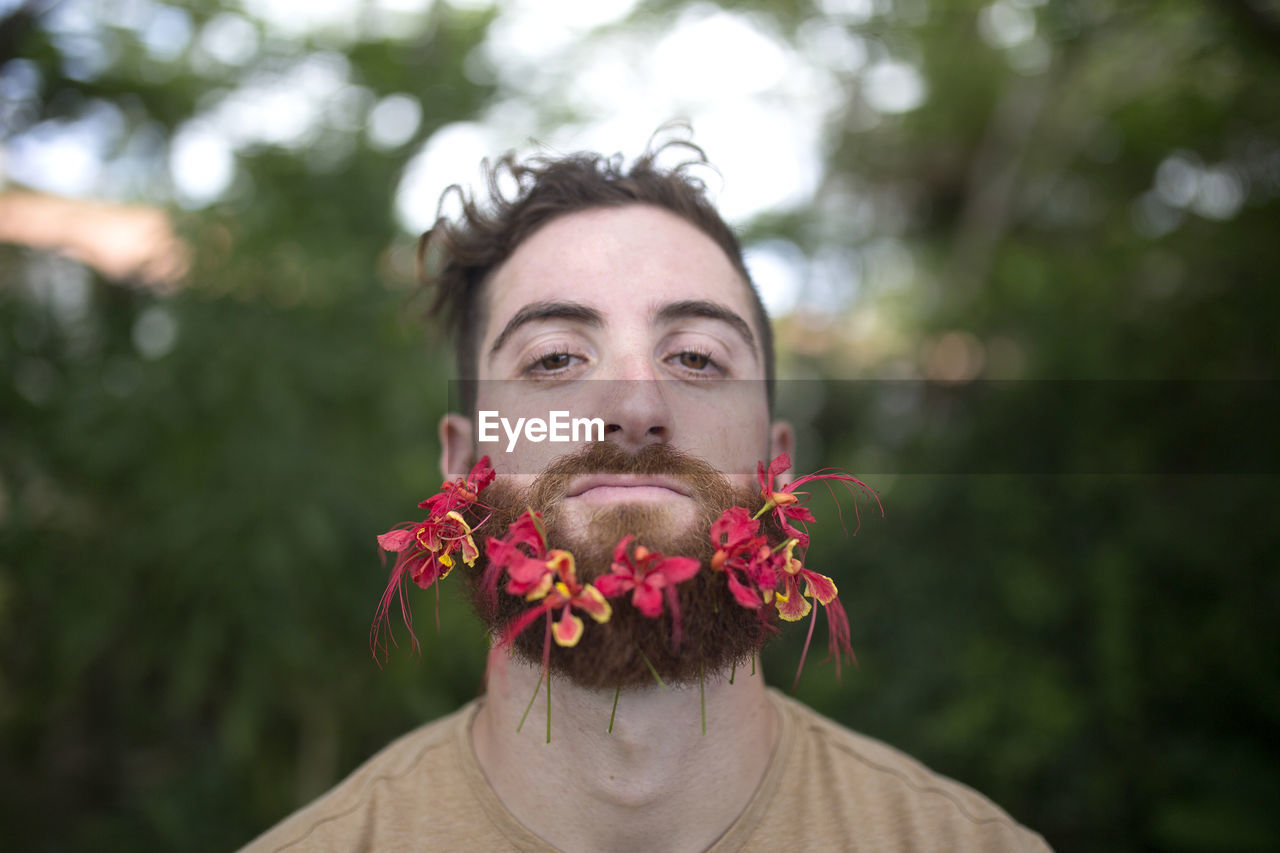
column 609, row 458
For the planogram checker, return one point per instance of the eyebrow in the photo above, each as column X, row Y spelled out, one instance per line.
column 711, row 311
column 578, row 312
column 547, row 311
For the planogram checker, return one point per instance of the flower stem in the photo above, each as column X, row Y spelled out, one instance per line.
column 614, row 712
column 733, row 671
column 536, row 688
column 753, row 664
column 702, row 689
column 537, row 525
column 548, row 706
column 656, row 677
column 807, row 640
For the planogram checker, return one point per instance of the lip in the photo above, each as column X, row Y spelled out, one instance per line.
column 627, row 485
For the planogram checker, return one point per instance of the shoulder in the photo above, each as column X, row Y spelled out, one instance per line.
column 869, row 795
column 383, row 803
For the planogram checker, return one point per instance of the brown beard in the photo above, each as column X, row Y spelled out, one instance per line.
column 716, row 631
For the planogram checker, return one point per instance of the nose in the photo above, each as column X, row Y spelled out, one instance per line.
column 636, row 413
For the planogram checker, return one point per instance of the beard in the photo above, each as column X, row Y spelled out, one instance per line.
column 717, row 631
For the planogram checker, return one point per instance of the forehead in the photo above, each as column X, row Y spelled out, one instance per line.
column 624, row 261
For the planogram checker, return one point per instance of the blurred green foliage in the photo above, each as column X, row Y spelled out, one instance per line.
column 187, row 565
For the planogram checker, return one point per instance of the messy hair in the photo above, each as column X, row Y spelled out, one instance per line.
column 456, row 257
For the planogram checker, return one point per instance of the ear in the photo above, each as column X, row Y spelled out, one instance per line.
column 457, row 445
column 782, row 439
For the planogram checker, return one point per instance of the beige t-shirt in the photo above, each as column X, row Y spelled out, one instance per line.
column 826, row 788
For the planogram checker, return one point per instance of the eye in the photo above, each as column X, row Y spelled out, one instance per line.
column 554, row 361
column 549, row 363
column 695, row 363
column 694, row 360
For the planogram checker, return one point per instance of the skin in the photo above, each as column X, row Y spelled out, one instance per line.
column 606, row 294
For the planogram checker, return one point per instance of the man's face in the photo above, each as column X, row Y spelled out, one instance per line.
column 642, row 299
column 633, row 316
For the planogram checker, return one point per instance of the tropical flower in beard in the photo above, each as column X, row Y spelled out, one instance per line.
column 758, row 573
column 744, row 556
column 732, row 534
column 425, row 550
column 793, row 605
column 460, row 493
column 558, row 589
column 788, row 504
column 650, row 577
column 522, row 554
column 547, row 576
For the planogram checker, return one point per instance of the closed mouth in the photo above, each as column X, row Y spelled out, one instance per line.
column 627, row 485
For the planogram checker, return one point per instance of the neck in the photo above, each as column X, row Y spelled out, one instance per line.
column 656, row 782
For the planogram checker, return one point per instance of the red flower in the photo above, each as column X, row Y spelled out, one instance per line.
column 537, row 574
column 522, row 552
column 758, row 573
column 425, row 550
column 460, row 493
column 789, row 503
column 744, row 556
column 650, row 577
column 560, row 590
column 732, row 533
column 793, row 605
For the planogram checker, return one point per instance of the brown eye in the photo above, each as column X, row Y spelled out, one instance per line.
column 695, row 360
column 555, row 361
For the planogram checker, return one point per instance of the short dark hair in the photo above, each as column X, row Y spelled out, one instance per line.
column 456, row 258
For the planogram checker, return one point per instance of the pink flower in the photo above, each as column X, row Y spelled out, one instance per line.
column 791, row 602
column 744, row 557
column 793, row 605
column 424, row 551
column 548, row 577
column 788, row 503
column 732, row 534
column 649, row 577
column 759, row 573
column 561, row 591
column 426, row 548
column 522, row 552
column 460, row 493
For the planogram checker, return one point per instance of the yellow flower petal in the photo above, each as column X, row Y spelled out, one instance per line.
column 793, row 608
column 820, row 587
column 561, row 562
column 594, row 604
column 568, row 631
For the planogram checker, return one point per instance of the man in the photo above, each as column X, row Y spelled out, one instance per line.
column 656, row 731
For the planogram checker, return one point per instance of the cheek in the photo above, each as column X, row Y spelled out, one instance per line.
column 729, row 419
column 733, row 446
